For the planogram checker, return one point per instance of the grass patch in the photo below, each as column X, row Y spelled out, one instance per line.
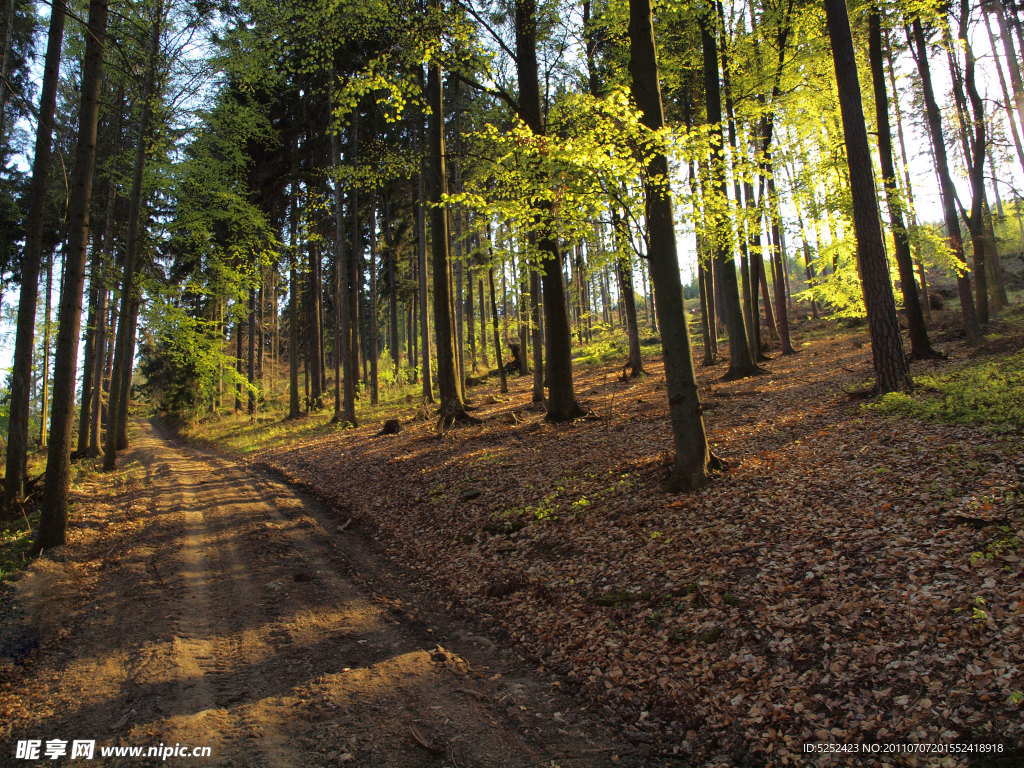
column 15, row 542
column 241, row 434
column 989, row 392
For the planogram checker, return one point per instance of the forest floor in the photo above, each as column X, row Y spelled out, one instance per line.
column 854, row 578
column 203, row 604
column 853, row 581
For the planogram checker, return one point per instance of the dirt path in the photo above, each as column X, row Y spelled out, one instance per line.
column 206, row 605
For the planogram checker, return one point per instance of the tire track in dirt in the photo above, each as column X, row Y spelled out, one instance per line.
column 227, row 616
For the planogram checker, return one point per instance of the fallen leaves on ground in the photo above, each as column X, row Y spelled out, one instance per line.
column 851, row 578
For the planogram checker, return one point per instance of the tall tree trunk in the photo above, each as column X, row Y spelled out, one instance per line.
column 44, row 381
column 5, row 69
column 922, row 277
column 497, row 336
column 421, row 255
column 537, row 340
column 624, row 274
column 891, row 370
column 251, row 357
column 562, row 404
column 995, row 263
column 374, row 353
column 121, row 378
column 741, row 363
column 239, row 358
column 920, row 346
column 54, row 514
column 778, row 260
column 976, row 173
column 21, row 368
column 470, row 317
column 89, row 350
column 972, row 329
column 313, row 347
column 484, row 356
column 1007, row 101
column 294, row 399
column 389, row 240
column 1012, row 60
column 524, row 314
column 344, row 394
column 353, row 268
column 693, row 459
column 753, row 237
column 453, row 408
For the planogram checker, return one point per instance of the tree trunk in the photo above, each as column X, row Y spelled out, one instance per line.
column 121, row 378
column 972, row 329
column 54, row 515
column 471, row 318
column 294, row 406
column 313, row 347
column 926, row 303
column 741, row 363
column 562, row 405
column 453, row 408
column 497, row 336
column 1007, row 101
column 524, row 315
column 624, row 274
column 421, row 254
column 920, row 346
column 482, row 303
column 976, row 173
column 1012, row 60
column 5, row 69
column 394, row 344
column 778, row 259
column 251, row 357
column 693, row 458
column 371, row 319
column 21, row 368
column 352, row 276
column 44, row 381
column 536, row 339
column 891, row 370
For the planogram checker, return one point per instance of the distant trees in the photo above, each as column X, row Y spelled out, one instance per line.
column 371, row 197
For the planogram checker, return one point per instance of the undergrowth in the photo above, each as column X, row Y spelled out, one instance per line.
column 989, row 392
column 15, row 542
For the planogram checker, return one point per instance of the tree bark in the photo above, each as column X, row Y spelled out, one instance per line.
column 371, row 319
column 624, row 275
column 394, row 343
column 124, row 349
column 972, row 329
column 892, row 373
column 21, row 368
column 920, row 346
column 562, row 404
column 251, row 357
column 421, row 255
column 453, row 409
column 693, row 459
column 54, row 513
column 294, row 400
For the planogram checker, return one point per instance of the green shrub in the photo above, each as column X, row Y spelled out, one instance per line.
column 989, row 392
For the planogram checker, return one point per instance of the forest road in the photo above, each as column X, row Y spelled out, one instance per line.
column 228, row 611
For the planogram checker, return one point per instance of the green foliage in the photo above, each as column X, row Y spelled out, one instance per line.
column 1006, row 540
column 15, row 542
column 183, row 360
column 605, row 347
column 988, row 392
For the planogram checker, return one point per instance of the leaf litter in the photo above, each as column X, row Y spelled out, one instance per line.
column 852, row 577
